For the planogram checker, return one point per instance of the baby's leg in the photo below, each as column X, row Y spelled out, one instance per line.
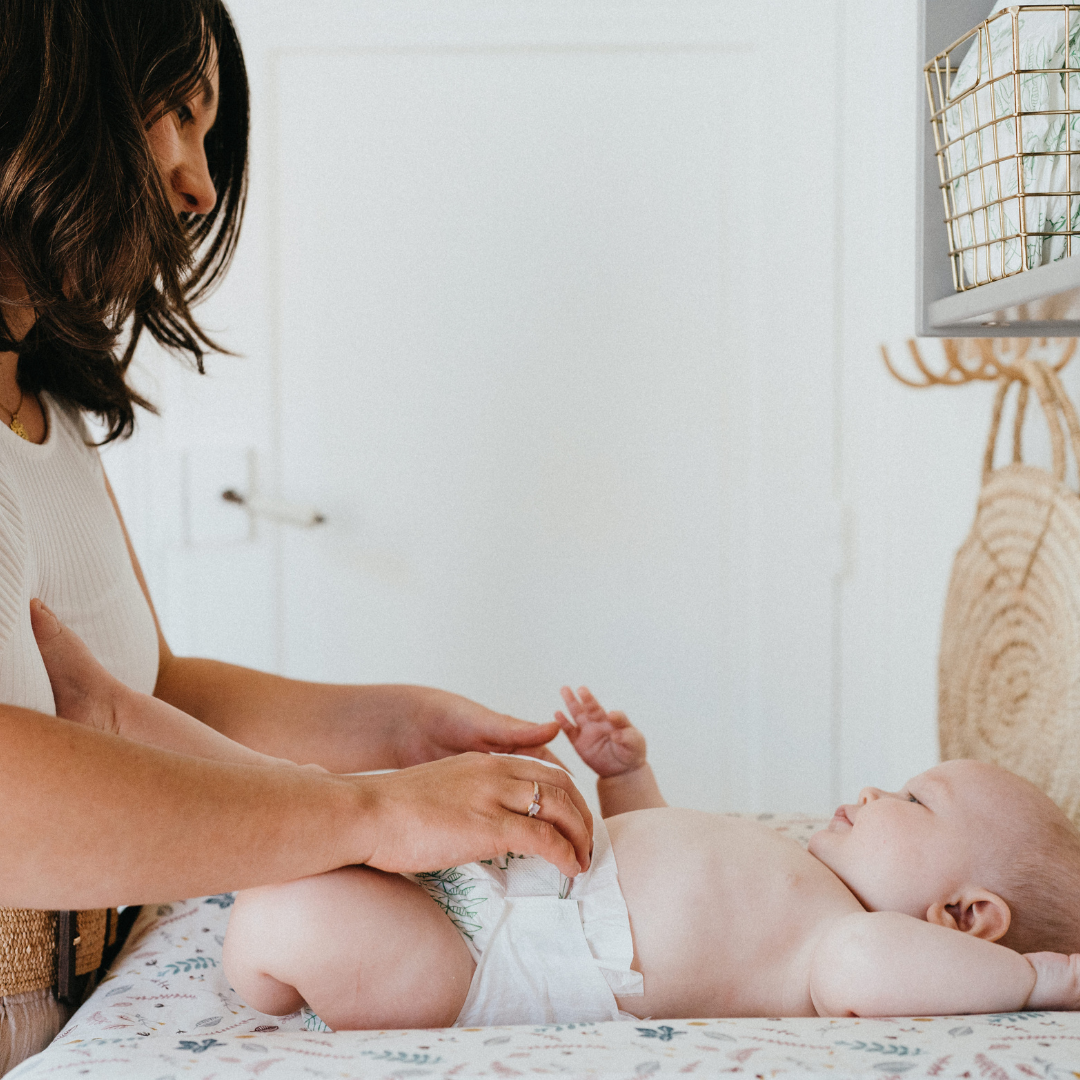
column 364, row 949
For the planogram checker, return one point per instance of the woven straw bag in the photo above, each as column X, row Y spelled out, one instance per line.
column 1009, row 668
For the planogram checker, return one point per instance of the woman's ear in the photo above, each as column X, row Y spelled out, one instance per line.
column 978, row 912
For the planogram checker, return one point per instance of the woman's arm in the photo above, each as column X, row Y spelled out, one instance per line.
column 342, row 728
column 94, row 820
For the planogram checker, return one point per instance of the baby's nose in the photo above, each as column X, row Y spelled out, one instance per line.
column 870, row 794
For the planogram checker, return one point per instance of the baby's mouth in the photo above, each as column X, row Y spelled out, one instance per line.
column 840, row 820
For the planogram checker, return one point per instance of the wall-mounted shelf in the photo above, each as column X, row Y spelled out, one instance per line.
column 1041, row 302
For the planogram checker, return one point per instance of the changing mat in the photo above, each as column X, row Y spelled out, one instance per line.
column 166, row 1012
column 1044, row 41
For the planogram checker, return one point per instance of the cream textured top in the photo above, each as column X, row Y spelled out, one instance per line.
column 61, row 541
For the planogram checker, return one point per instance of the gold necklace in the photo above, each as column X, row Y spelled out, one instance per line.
column 16, row 423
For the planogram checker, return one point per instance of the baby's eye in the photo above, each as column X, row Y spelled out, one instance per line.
column 911, row 798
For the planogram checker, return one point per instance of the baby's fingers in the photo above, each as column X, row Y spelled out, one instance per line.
column 573, row 732
column 618, row 720
column 595, row 709
column 573, row 706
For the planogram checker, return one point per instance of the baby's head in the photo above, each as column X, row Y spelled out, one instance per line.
column 965, row 844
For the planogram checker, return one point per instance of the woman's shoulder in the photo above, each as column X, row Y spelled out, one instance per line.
column 71, row 443
column 67, row 423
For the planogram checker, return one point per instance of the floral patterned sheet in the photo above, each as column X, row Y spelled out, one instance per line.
column 166, row 1012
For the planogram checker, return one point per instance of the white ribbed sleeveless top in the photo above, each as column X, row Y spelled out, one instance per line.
column 61, row 541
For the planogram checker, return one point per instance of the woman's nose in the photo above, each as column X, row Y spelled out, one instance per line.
column 192, row 186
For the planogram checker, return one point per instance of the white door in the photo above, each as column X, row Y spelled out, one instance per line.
column 538, row 307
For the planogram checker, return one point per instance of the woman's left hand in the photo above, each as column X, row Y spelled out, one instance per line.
column 344, row 728
column 443, row 724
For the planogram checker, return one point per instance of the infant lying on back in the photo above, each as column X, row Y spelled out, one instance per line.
column 944, row 897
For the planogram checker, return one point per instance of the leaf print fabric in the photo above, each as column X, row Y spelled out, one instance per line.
column 455, row 894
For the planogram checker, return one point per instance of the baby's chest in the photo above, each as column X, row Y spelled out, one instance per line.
column 752, row 945
column 739, row 922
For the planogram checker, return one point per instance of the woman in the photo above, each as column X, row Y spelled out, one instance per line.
column 123, row 150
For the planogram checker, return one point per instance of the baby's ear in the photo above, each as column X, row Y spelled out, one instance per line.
column 978, row 912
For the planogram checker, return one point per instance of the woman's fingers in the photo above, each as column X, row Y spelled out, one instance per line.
column 511, row 733
column 541, row 753
column 471, row 807
column 556, row 806
column 570, row 814
column 523, row 737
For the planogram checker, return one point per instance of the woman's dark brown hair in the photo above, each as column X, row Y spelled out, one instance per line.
column 85, row 220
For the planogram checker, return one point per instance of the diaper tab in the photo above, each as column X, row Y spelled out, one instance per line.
column 537, row 968
column 531, row 876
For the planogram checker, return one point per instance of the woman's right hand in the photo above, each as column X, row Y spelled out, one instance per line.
column 470, row 807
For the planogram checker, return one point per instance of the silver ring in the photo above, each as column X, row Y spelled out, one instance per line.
column 534, row 806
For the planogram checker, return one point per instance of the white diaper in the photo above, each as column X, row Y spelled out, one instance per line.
column 548, row 950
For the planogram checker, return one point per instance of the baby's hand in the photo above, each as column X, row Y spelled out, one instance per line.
column 1057, row 981
column 606, row 741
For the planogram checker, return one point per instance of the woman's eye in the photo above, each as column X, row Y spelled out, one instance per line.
column 184, row 114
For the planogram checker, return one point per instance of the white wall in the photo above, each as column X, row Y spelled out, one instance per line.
column 898, row 468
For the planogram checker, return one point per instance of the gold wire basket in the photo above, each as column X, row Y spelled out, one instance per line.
column 1005, row 111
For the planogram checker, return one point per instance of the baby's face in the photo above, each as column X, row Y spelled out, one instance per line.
column 947, row 828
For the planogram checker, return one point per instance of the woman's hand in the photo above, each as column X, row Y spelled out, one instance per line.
column 472, row 807
column 346, row 729
column 443, row 724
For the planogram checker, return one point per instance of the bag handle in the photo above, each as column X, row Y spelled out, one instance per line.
column 1056, row 405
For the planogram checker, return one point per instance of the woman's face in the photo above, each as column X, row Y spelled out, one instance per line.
column 176, row 141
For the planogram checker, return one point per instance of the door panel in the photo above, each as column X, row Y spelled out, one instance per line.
column 527, row 371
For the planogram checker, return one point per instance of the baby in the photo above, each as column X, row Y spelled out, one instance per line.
column 942, row 897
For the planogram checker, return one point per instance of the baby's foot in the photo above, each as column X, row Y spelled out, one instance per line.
column 82, row 689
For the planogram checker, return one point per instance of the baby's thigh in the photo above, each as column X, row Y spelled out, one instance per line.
column 364, row 949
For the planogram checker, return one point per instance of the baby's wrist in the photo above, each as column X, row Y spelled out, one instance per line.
column 634, row 789
column 628, row 773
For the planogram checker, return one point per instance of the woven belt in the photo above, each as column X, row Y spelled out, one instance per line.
column 41, row 949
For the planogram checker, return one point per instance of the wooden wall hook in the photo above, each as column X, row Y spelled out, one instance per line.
column 982, row 359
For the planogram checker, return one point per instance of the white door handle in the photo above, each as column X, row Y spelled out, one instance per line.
column 289, row 513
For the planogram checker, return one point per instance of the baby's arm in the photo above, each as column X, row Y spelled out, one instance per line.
column 613, row 748
column 86, row 693
column 884, row 963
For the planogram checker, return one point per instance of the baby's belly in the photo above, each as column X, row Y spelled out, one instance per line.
column 723, row 913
